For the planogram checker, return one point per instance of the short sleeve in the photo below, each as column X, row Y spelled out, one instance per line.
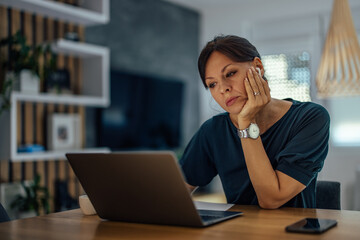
column 196, row 163
column 304, row 154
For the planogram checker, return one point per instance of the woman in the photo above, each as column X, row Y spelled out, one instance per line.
column 266, row 151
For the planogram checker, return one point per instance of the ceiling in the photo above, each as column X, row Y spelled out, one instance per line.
column 200, row 5
column 265, row 8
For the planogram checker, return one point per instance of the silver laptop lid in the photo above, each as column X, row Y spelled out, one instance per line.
column 141, row 187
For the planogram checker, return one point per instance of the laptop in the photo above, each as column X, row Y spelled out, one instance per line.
column 140, row 187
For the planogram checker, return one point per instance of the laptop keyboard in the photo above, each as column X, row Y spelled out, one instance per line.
column 211, row 215
column 207, row 218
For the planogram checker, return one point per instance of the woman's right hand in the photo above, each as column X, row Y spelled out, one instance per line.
column 258, row 92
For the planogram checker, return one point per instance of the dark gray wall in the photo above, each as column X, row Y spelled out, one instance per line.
column 156, row 38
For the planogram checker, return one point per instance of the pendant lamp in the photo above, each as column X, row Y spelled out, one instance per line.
column 339, row 69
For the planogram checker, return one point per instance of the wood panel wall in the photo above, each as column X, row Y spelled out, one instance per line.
column 31, row 122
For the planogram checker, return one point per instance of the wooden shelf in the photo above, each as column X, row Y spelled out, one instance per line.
column 79, row 49
column 92, row 13
column 59, row 99
column 21, row 157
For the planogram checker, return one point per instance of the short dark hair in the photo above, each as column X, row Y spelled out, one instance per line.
column 236, row 48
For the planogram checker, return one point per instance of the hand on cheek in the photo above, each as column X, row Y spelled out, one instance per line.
column 258, row 92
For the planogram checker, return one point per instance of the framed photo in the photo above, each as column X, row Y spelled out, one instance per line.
column 64, row 131
column 58, row 82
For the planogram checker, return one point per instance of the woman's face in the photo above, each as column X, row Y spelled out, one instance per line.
column 225, row 79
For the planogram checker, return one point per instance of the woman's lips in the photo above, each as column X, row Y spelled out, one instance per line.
column 231, row 101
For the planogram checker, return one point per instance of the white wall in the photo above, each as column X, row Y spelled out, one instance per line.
column 283, row 25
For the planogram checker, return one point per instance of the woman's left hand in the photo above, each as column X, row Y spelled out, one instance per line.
column 258, row 92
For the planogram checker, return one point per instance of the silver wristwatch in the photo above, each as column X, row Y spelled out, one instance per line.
column 252, row 132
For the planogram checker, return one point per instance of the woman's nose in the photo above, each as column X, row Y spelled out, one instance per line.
column 224, row 87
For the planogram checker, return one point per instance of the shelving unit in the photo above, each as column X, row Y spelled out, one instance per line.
column 91, row 13
column 95, row 69
column 8, row 149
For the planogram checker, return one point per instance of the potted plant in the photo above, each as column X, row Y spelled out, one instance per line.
column 25, row 66
column 34, row 201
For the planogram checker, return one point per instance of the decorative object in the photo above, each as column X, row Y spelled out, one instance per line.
column 24, row 66
column 26, row 82
column 58, row 82
column 36, row 198
column 72, row 36
column 339, row 70
column 86, row 206
column 31, row 148
column 8, row 192
column 64, row 131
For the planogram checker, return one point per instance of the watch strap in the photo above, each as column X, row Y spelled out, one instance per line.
column 243, row 133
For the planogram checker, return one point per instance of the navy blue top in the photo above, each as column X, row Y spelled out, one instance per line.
column 296, row 145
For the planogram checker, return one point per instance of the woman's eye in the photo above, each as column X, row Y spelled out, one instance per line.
column 212, row 85
column 230, row 74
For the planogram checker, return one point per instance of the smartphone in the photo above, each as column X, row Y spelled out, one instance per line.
column 311, row 225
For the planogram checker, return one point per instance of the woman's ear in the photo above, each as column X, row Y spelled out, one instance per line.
column 258, row 65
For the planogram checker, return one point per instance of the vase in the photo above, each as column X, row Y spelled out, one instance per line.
column 26, row 214
column 25, row 82
column 29, row 82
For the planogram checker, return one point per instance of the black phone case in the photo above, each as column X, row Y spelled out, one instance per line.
column 295, row 229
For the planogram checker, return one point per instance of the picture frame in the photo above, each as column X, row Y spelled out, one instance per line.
column 58, row 82
column 64, row 131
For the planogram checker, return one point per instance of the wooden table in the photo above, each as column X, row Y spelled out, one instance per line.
column 255, row 224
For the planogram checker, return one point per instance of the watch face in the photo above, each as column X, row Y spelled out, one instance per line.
column 254, row 131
